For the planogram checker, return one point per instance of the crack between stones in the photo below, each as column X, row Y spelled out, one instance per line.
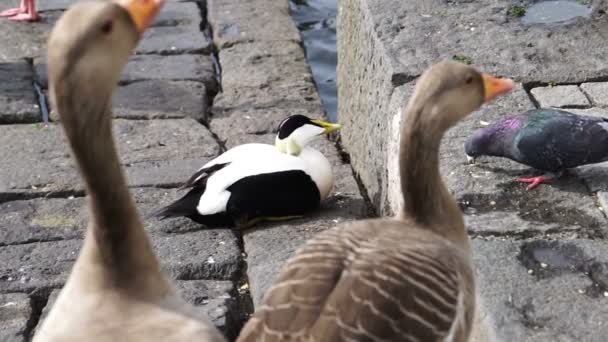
column 38, row 301
column 38, row 241
column 244, row 301
column 23, row 196
column 345, row 158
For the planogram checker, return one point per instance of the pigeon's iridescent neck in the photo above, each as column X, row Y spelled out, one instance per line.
column 510, row 124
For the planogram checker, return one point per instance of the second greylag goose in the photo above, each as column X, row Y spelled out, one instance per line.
column 116, row 290
column 407, row 278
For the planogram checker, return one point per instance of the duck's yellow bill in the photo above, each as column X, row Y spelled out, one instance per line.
column 493, row 86
column 329, row 127
column 143, row 12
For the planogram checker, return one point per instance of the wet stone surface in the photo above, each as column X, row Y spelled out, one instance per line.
column 18, row 102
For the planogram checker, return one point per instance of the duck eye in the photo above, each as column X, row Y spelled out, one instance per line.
column 107, row 27
column 469, row 79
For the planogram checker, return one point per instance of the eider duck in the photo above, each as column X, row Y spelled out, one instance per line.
column 408, row 278
column 546, row 139
column 116, row 290
column 254, row 182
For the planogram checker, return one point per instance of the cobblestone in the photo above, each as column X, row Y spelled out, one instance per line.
column 597, row 92
column 560, row 96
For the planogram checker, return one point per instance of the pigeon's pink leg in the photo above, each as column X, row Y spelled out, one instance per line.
column 31, row 13
column 14, row 11
column 538, row 180
column 534, row 181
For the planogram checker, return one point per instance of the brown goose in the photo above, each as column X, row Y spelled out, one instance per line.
column 116, row 291
column 407, row 278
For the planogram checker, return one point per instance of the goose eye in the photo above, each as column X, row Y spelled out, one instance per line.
column 107, row 27
column 469, row 79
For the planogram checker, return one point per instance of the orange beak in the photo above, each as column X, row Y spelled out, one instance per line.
column 493, row 86
column 142, row 12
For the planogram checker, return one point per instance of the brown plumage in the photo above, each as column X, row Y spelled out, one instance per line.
column 407, row 278
column 116, row 290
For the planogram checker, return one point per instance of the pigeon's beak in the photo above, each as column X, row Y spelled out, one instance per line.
column 142, row 12
column 493, row 86
column 470, row 160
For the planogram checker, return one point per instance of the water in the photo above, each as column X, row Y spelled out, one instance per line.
column 546, row 12
column 316, row 20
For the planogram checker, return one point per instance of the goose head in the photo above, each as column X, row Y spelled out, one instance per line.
column 87, row 50
column 296, row 131
column 449, row 91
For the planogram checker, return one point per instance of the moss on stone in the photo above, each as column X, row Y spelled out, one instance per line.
column 462, row 59
column 516, row 11
column 55, row 221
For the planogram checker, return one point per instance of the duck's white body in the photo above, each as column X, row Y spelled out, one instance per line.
column 256, row 159
column 256, row 181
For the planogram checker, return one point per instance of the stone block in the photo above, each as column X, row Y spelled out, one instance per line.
column 245, row 99
column 264, row 64
column 174, row 40
column 154, row 67
column 597, row 92
column 235, row 21
column 176, row 68
column 149, row 154
column 15, row 312
column 400, row 32
column 202, row 254
column 50, row 219
column 178, row 13
column 549, row 290
column 560, row 96
column 25, row 41
column 18, row 103
column 157, row 99
column 36, row 265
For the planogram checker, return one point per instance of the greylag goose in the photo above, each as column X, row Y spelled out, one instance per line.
column 407, row 278
column 254, row 182
column 116, row 290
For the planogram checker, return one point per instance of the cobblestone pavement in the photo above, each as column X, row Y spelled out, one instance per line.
column 170, row 119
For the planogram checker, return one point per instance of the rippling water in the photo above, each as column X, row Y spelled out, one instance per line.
column 316, row 20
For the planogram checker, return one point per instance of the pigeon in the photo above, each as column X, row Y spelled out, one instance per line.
column 547, row 139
